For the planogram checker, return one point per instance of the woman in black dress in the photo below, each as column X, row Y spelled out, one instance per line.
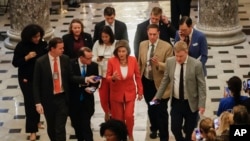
column 26, row 53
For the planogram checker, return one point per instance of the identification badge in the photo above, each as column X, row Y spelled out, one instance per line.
column 55, row 75
column 149, row 68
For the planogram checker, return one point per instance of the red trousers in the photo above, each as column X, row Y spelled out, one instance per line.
column 124, row 111
column 104, row 91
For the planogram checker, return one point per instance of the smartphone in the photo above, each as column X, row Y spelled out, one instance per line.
column 155, row 102
column 197, row 134
column 97, row 78
column 216, row 123
column 92, row 89
column 101, row 57
column 227, row 91
column 245, row 85
column 248, row 84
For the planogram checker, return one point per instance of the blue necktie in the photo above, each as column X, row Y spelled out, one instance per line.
column 83, row 73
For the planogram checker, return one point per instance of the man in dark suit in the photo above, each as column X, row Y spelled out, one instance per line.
column 196, row 41
column 166, row 29
column 52, row 75
column 188, row 91
column 179, row 8
column 119, row 28
column 81, row 97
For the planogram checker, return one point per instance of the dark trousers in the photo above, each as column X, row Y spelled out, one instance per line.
column 179, row 8
column 80, row 116
column 56, row 117
column 32, row 117
column 158, row 114
column 180, row 112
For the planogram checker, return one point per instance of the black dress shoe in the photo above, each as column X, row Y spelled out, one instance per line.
column 153, row 135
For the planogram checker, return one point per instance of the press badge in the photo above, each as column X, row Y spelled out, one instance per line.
column 55, row 75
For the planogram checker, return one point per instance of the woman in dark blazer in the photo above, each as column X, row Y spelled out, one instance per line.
column 26, row 53
column 76, row 39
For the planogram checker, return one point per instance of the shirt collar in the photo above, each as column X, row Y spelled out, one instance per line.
column 80, row 63
column 185, row 62
column 155, row 44
column 51, row 57
column 106, row 23
column 152, row 23
column 191, row 33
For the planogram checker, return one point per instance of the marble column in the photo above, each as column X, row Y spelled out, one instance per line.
column 24, row 12
column 218, row 20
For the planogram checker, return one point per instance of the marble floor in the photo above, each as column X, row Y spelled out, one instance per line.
column 223, row 63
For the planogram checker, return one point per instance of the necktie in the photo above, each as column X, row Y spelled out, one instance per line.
column 56, row 77
column 181, row 84
column 187, row 40
column 83, row 73
column 150, row 72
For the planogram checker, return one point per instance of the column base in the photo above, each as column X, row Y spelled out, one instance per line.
column 223, row 38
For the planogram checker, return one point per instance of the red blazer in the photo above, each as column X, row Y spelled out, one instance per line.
column 124, row 89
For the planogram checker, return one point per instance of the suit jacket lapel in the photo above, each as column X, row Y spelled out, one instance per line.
column 117, row 66
column 47, row 63
column 116, row 26
column 187, row 68
column 173, row 70
column 77, row 68
column 145, row 51
column 158, row 48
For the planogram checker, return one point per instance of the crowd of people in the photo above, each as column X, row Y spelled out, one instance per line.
column 59, row 79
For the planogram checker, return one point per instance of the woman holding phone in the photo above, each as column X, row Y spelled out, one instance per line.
column 102, row 51
column 235, row 87
column 125, row 81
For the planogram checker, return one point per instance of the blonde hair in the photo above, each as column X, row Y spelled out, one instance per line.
column 180, row 46
column 226, row 119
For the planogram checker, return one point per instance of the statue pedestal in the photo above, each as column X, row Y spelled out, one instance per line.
column 25, row 12
column 218, row 20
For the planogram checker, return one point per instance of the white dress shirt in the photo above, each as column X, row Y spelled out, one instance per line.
column 177, row 79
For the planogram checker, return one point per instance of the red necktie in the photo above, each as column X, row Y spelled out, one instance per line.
column 56, row 77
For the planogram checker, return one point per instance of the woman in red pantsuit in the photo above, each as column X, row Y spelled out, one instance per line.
column 124, row 77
